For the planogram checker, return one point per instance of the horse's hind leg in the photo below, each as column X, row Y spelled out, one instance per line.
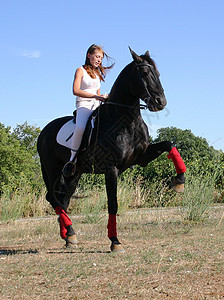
column 64, row 190
column 59, row 196
column 111, row 188
column 66, row 230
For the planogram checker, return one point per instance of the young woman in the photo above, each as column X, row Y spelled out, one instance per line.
column 86, row 87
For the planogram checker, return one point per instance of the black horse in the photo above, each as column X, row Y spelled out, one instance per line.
column 118, row 141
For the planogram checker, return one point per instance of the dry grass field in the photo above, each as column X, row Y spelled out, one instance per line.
column 165, row 258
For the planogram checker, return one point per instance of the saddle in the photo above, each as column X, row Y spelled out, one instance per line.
column 66, row 131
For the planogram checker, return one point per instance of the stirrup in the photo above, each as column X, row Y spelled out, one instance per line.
column 69, row 169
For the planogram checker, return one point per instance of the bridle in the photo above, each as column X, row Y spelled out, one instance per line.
column 148, row 94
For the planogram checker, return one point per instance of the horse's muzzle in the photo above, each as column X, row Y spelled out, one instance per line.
column 160, row 103
column 156, row 104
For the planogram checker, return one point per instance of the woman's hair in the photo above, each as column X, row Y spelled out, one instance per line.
column 101, row 70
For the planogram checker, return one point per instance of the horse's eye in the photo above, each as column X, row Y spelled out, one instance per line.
column 145, row 74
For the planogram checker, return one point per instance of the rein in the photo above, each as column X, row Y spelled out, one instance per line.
column 141, row 106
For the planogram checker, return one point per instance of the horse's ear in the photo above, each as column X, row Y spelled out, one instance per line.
column 135, row 56
column 147, row 53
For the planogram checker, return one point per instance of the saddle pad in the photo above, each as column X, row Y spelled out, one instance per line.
column 65, row 133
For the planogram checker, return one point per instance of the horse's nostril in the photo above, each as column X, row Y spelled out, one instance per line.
column 158, row 100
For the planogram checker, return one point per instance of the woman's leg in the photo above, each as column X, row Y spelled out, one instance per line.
column 82, row 117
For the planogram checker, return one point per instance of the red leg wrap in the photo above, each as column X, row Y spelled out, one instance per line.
column 64, row 221
column 177, row 160
column 112, row 228
column 63, row 229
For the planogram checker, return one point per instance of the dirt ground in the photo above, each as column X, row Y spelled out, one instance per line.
column 165, row 258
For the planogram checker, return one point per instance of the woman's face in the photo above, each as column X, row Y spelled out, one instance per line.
column 95, row 58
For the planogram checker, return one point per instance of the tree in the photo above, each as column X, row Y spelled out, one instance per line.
column 18, row 157
column 190, row 146
column 27, row 136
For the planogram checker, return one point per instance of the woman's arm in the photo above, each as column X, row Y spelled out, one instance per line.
column 77, row 84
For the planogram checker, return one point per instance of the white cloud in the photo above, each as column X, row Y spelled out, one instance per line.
column 31, row 54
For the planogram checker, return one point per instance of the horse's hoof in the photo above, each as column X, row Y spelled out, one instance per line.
column 177, row 186
column 71, row 240
column 117, row 247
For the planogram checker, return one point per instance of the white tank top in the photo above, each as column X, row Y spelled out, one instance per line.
column 88, row 84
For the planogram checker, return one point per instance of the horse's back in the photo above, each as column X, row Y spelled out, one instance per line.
column 49, row 132
column 54, row 126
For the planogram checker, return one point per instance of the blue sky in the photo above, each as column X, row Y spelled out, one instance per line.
column 43, row 42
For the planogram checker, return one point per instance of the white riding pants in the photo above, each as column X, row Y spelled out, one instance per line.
column 84, row 110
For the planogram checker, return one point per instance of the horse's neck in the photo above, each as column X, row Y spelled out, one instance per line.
column 120, row 91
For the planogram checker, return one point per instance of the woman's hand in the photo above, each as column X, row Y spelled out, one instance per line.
column 101, row 97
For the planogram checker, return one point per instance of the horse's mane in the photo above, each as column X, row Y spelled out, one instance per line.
column 150, row 61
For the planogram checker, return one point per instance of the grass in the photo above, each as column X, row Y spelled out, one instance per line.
column 165, row 258
column 91, row 198
column 198, row 197
column 23, row 203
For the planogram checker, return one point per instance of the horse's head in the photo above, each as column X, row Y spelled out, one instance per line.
column 150, row 89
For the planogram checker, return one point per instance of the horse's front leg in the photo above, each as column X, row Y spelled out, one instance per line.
column 179, row 180
column 111, row 188
column 155, row 150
